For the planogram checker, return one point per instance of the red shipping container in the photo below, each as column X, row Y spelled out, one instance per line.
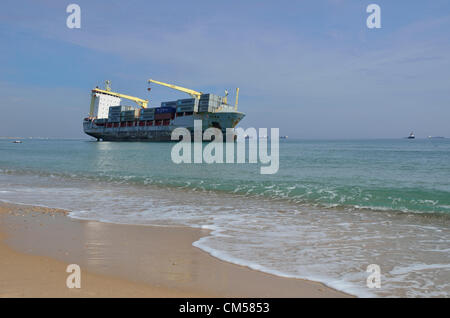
column 163, row 116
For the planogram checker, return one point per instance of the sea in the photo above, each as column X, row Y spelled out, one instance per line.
column 334, row 207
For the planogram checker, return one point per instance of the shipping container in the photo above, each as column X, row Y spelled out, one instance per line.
column 163, row 116
column 119, row 109
column 186, row 101
column 211, row 97
column 130, row 113
column 114, row 119
column 169, row 104
column 182, row 109
column 148, row 111
column 207, row 108
column 209, row 103
column 147, row 117
column 164, row 110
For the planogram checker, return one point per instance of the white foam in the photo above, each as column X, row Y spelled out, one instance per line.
column 330, row 246
column 400, row 270
column 340, row 285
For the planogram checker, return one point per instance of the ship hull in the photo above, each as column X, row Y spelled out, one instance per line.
column 140, row 131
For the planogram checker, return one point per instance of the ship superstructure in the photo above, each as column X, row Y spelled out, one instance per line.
column 109, row 120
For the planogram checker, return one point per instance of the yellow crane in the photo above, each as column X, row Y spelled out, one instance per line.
column 141, row 102
column 191, row 92
column 237, row 97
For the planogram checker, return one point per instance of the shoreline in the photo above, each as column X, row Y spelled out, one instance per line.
column 118, row 260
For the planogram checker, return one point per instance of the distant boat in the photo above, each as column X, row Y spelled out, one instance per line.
column 17, row 141
column 411, row 135
column 284, row 137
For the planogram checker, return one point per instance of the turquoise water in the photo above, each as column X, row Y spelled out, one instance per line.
column 400, row 175
column 333, row 208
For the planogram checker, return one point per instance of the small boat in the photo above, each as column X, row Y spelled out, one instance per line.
column 411, row 135
column 17, row 141
column 283, row 137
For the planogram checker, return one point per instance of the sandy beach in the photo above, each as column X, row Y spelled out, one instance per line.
column 116, row 260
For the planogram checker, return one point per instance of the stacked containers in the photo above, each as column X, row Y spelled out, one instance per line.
column 115, row 111
column 164, row 112
column 147, row 114
column 169, row 104
column 129, row 115
column 209, row 103
column 100, row 121
column 187, row 105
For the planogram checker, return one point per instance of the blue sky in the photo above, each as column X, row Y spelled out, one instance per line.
column 311, row 68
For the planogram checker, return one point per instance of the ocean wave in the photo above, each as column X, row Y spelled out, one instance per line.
column 309, row 193
column 329, row 245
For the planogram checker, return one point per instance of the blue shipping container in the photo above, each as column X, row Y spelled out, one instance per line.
column 164, row 110
column 168, row 104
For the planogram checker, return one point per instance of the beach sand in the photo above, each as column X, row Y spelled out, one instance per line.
column 116, row 260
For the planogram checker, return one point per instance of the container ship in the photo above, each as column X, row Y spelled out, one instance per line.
column 109, row 120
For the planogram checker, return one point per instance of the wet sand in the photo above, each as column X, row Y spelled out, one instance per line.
column 116, row 260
